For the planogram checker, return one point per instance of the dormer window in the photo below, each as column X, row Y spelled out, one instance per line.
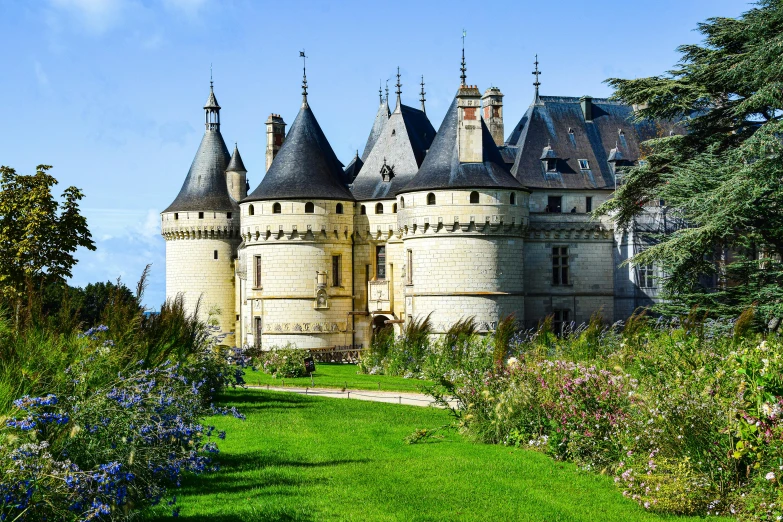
column 387, row 172
column 584, row 164
column 551, row 165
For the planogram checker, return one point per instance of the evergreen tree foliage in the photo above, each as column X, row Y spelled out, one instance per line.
column 723, row 175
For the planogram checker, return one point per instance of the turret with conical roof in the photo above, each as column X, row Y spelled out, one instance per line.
column 236, row 176
column 201, row 228
column 295, row 262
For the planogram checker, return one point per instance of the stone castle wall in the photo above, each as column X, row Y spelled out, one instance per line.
column 199, row 264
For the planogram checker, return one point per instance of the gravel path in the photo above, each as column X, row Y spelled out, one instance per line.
column 408, row 398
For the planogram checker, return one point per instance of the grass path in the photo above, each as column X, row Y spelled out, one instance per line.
column 336, row 375
column 299, row 458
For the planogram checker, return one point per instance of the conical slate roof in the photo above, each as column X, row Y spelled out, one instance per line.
column 377, row 127
column 441, row 168
column 236, row 164
column 305, row 167
column 353, row 168
column 211, row 101
column 205, row 185
column 402, row 145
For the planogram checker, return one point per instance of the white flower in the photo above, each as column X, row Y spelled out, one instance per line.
column 512, row 362
column 770, row 476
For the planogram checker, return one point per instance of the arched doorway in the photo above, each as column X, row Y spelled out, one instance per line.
column 382, row 334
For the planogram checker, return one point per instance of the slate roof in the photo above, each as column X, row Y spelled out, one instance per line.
column 236, row 164
column 402, row 145
column 211, row 101
column 548, row 122
column 441, row 168
column 353, row 168
column 305, row 166
column 380, row 120
column 205, row 185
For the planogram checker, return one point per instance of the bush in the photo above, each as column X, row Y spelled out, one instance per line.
column 284, row 362
column 103, row 452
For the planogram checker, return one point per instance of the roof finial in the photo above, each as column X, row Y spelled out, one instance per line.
column 304, row 78
column 380, row 92
column 423, row 99
column 463, row 68
column 387, row 91
column 399, row 88
column 537, row 83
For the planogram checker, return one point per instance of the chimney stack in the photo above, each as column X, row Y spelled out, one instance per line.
column 492, row 103
column 469, row 125
column 275, row 135
column 587, row 107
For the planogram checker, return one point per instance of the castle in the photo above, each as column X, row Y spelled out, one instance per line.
column 455, row 223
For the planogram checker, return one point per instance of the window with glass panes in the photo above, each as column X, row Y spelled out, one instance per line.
column 257, row 272
column 380, row 262
column 646, row 276
column 560, row 274
column 561, row 318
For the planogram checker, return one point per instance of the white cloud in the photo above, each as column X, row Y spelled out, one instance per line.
column 42, row 78
column 97, row 16
column 191, row 8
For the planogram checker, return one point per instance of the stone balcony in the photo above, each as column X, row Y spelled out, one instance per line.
column 380, row 296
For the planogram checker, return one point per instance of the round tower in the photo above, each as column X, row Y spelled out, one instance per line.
column 201, row 228
column 462, row 220
column 297, row 231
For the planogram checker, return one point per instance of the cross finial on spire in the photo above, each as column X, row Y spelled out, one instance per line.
column 463, row 68
column 210, row 76
column 537, row 83
column 399, row 87
column 380, row 92
column 422, row 94
column 304, row 78
column 387, row 91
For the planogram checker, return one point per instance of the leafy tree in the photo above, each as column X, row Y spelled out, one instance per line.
column 38, row 234
column 723, row 176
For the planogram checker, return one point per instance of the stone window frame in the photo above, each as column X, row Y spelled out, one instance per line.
column 257, row 282
column 379, row 208
column 431, row 199
column 337, row 273
column 277, row 208
column 475, row 198
column 339, row 208
column 561, row 266
column 645, row 276
column 309, row 207
column 409, row 267
column 560, row 318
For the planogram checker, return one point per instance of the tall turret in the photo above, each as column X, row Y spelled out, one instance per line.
column 295, row 261
column 201, row 228
column 463, row 199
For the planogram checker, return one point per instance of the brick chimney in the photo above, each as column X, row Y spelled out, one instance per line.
column 469, row 125
column 275, row 135
column 492, row 106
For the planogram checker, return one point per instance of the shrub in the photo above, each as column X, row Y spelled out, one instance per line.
column 283, row 362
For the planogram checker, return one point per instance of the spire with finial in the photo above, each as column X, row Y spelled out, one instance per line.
column 463, row 76
column 537, row 83
column 304, row 78
column 387, row 91
column 380, row 92
column 211, row 108
column 399, row 89
column 423, row 99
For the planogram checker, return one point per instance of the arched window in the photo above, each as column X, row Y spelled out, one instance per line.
column 251, row 210
column 394, row 208
column 430, row 198
column 513, row 198
column 363, row 210
column 402, row 202
column 309, row 207
column 474, row 197
column 379, row 208
column 339, row 208
column 276, row 208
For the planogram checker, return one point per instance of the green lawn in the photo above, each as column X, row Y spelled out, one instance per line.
column 299, row 458
column 336, row 375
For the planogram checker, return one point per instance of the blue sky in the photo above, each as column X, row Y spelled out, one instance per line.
column 110, row 92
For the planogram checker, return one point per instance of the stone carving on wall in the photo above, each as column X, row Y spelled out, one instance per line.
column 322, row 327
